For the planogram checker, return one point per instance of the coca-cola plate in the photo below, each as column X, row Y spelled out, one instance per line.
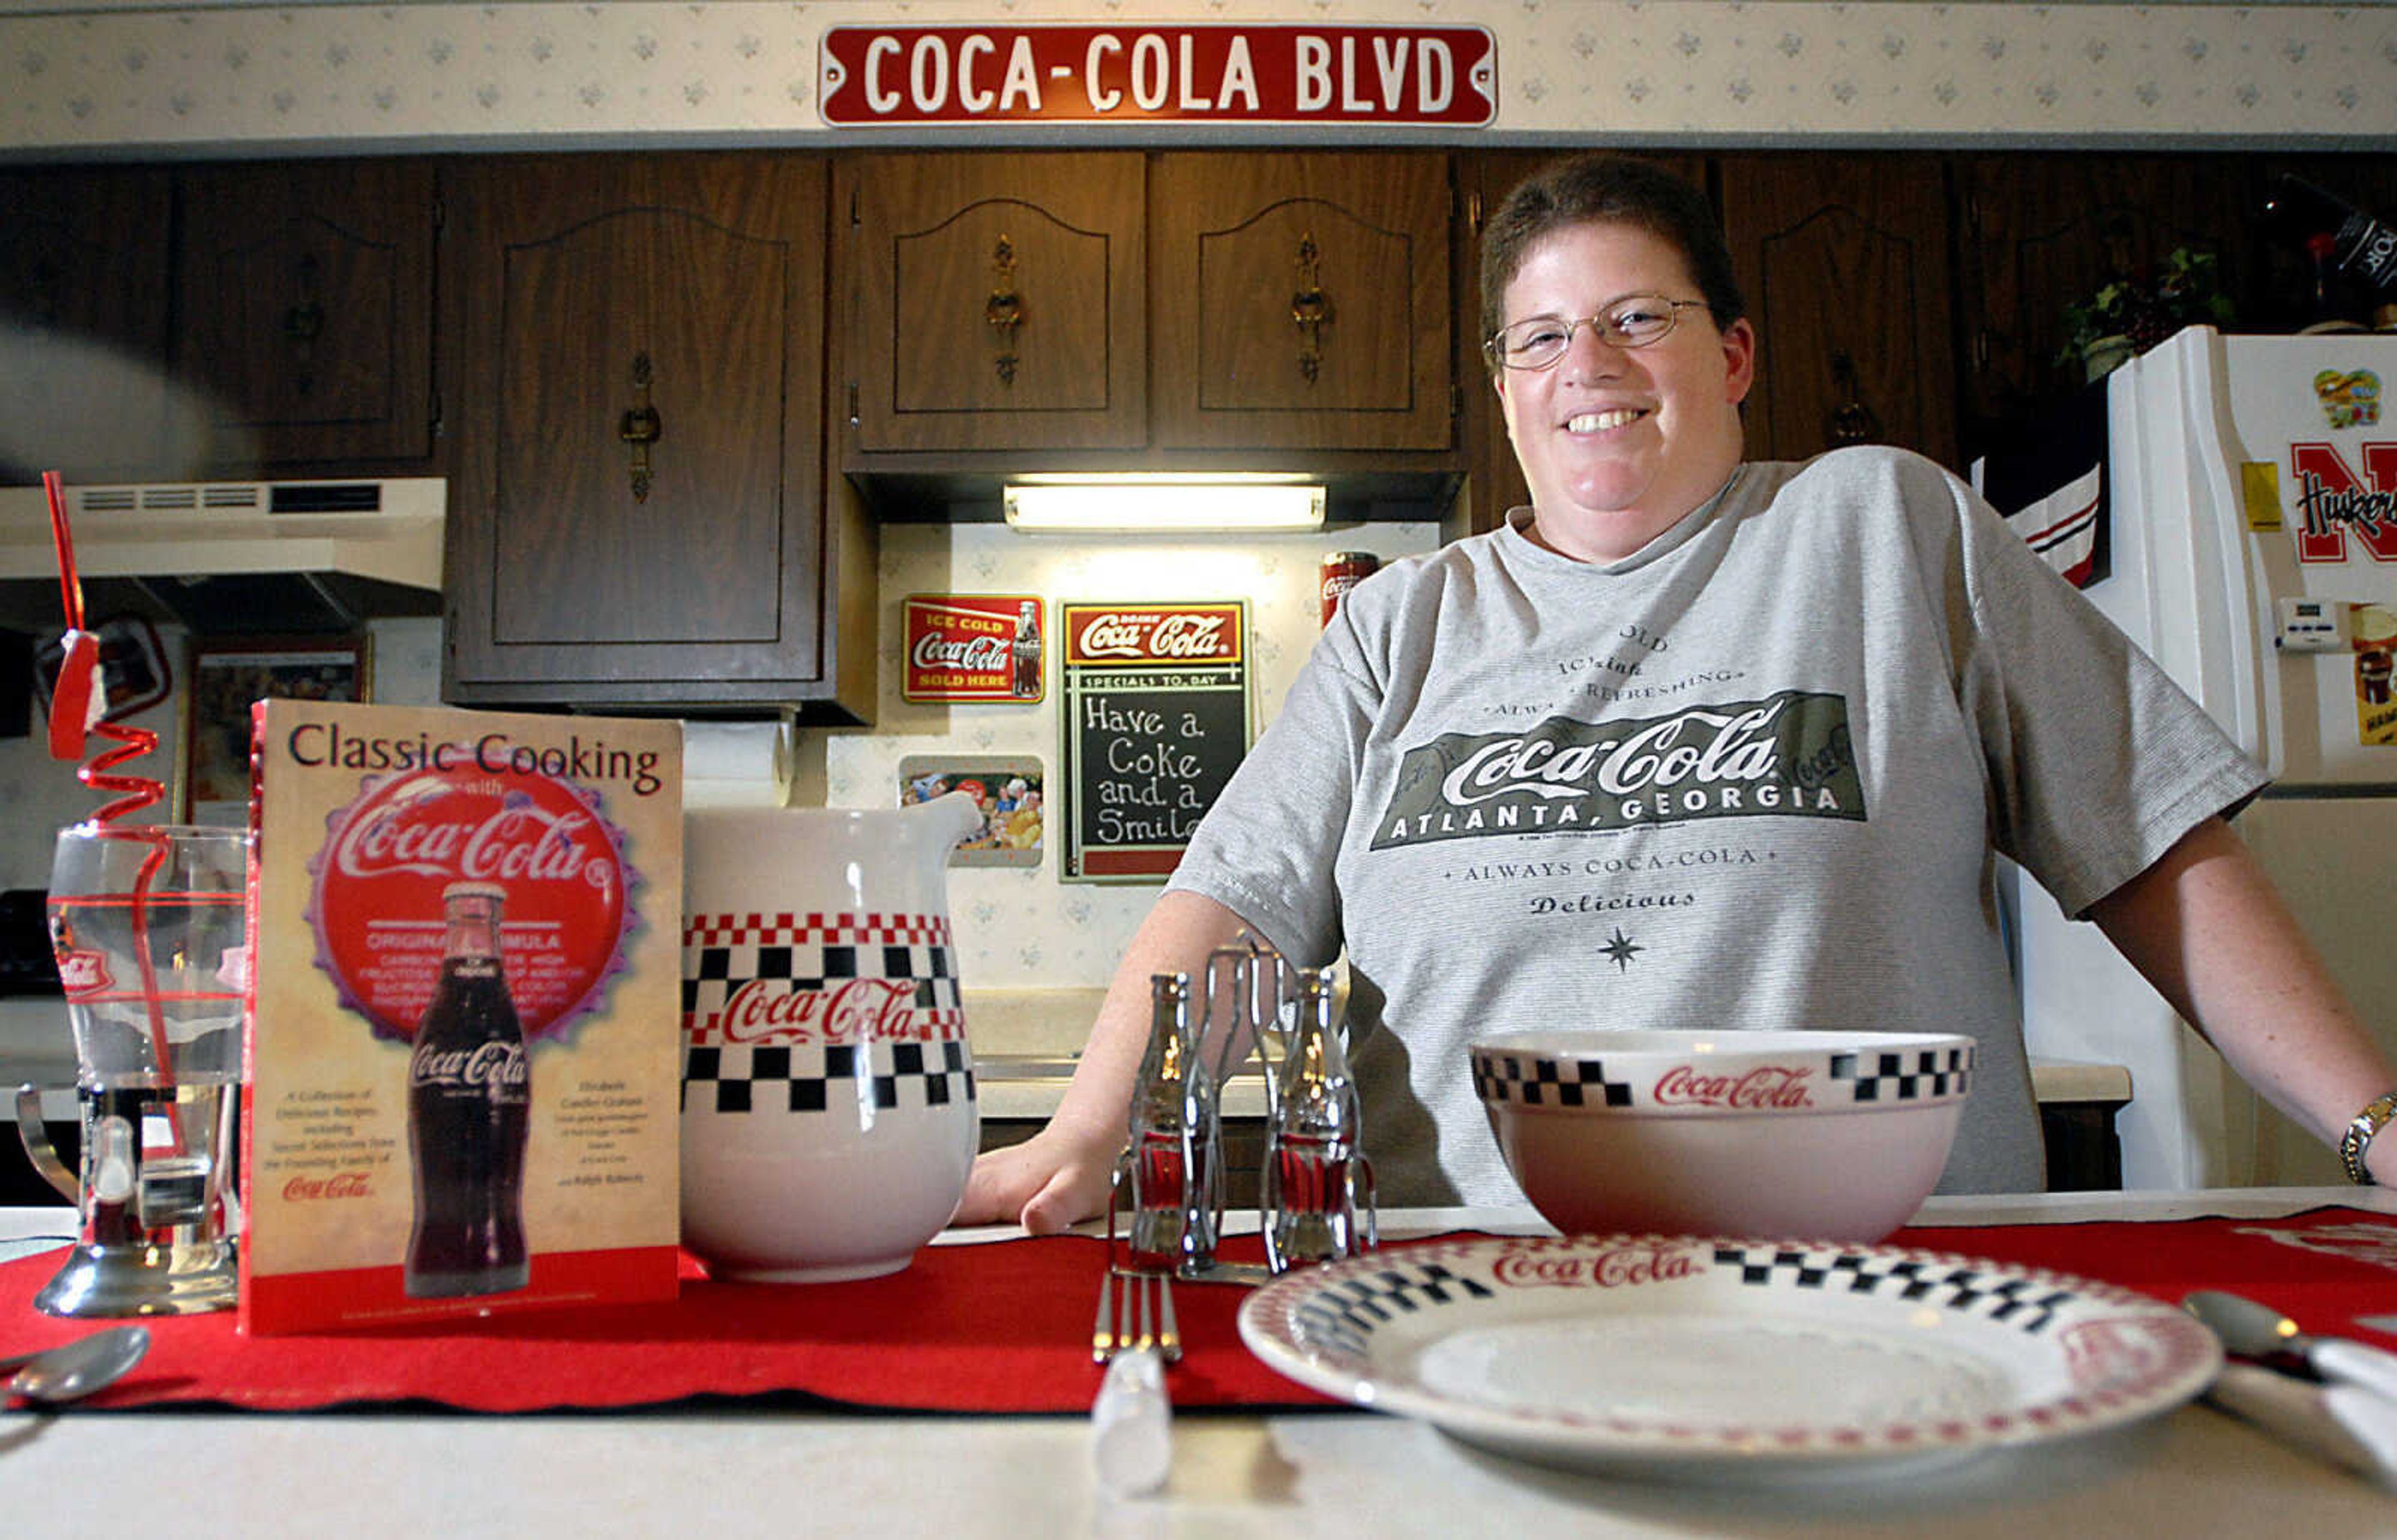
column 1707, row 1359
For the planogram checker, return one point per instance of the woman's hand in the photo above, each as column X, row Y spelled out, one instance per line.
column 1050, row 1181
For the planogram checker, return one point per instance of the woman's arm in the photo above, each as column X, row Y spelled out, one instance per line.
column 2205, row 927
column 1060, row 1174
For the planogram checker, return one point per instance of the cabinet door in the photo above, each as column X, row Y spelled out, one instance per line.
column 1302, row 301
column 995, row 301
column 2041, row 231
column 637, row 516
column 304, row 307
column 83, row 310
column 1843, row 259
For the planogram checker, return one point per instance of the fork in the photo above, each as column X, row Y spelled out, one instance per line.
column 1139, row 1314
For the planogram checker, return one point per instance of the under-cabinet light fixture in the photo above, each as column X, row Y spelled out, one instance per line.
column 1162, row 504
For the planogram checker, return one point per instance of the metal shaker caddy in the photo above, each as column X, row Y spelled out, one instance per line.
column 1315, row 1199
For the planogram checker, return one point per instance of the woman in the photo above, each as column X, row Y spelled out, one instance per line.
column 1694, row 743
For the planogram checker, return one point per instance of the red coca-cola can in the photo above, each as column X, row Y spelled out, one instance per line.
column 1342, row 571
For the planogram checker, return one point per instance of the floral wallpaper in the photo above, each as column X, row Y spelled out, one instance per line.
column 224, row 77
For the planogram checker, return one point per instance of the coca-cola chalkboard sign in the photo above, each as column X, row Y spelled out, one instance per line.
column 1155, row 719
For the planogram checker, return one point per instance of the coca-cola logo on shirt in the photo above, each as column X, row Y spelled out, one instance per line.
column 1766, row 1088
column 376, row 905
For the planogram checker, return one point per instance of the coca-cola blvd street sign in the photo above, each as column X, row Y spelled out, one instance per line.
column 1212, row 74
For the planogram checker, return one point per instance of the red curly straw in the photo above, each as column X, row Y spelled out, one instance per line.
column 136, row 792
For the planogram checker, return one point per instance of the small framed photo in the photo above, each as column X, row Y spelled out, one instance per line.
column 1007, row 788
column 227, row 676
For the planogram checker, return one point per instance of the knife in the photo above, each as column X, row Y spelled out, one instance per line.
column 2342, row 1424
column 2253, row 1330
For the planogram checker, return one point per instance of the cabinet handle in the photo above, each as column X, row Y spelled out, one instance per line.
column 1310, row 308
column 1851, row 421
column 640, row 427
column 304, row 321
column 1004, row 310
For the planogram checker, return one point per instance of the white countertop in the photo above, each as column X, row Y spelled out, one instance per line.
column 724, row 1475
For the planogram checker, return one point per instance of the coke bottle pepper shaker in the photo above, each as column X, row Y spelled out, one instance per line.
column 1172, row 1151
column 469, row 1112
column 1314, row 1168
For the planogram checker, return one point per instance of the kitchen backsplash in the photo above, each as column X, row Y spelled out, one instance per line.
column 1020, row 928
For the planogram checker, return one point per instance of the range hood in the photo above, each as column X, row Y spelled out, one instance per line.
column 227, row 557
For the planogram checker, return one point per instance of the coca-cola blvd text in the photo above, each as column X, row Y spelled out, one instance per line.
column 326, row 744
column 1231, row 72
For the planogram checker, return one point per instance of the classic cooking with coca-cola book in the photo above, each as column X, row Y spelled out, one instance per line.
column 464, row 1034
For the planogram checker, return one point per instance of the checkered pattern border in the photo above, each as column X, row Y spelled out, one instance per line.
column 797, row 929
column 807, row 953
column 1547, row 1082
column 1533, row 1081
column 801, row 1079
column 1341, row 1315
column 1923, row 1075
column 2025, row 1303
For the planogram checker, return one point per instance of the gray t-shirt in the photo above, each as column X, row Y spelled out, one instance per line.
column 1751, row 776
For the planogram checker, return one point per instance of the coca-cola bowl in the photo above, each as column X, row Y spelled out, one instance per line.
column 1822, row 1136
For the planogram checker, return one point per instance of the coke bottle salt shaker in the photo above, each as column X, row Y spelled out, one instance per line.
column 468, row 1111
column 1314, row 1170
column 1171, row 1152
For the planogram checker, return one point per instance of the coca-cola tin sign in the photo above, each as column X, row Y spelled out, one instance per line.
column 973, row 647
column 1156, row 719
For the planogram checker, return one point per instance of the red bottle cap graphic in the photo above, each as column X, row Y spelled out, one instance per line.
column 376, row 906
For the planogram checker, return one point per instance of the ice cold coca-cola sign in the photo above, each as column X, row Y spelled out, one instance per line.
column 378, row 880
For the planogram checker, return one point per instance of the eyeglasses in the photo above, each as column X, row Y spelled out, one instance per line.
column 1634, row 321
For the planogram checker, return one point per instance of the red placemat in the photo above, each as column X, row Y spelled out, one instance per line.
column 1005, row 1327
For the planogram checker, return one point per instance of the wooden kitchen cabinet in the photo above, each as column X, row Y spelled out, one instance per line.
column 995, row 302
column 304, row 311
column 1843, row 260
column 83, row 293
column 640, row 515
column 2035, row 233
column 1300, row 301
column 1119, row 310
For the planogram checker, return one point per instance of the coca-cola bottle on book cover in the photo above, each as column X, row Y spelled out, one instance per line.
column 469, row 1110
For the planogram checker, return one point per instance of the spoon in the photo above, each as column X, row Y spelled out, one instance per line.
column 81, row 1367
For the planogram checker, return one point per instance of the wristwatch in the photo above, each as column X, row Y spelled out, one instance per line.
column 2357, row 1138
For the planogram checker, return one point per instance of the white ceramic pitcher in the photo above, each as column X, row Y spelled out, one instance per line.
column 828, row 1113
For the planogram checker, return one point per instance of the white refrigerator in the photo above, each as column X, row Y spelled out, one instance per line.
column 2253, row 491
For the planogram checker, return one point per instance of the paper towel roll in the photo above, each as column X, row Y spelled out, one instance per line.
column 736, row 764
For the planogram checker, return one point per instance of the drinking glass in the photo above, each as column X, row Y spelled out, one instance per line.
column 151, row 931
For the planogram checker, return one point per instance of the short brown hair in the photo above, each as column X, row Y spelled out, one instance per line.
column 1607, row 189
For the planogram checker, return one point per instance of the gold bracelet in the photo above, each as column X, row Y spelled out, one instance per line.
column 2357, row 1138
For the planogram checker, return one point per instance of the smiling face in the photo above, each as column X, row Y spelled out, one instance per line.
column 1618, row 444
